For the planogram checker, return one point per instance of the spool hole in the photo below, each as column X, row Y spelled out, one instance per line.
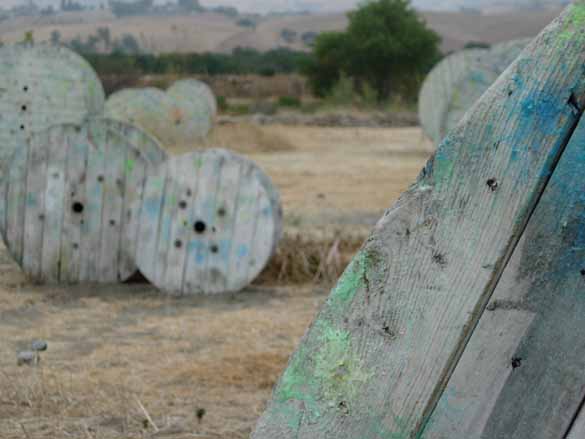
column 183, row 204
column 77, row 207
column 199, row 227
column 214, row 248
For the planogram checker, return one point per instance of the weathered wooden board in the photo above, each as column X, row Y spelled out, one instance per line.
column 578, row 428
column 377, row 359
column 438, row 90
column 193, row 91
column 210, row 222
column 478, row 78
column 521, row 375
column 43, row 85
column 71, row 201
column 172, row 121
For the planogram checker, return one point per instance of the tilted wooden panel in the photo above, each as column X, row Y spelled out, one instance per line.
column 521, row 375
column 71, row 200
column 192, row 90
column 40, row 86
column 578, row 429
column 172, row 121
column 377, row 359
column 210, row 222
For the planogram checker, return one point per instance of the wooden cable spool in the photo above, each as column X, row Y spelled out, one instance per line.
column 195, row 92
column 171, row 120
column 40, row 86
column 71, row 198
column 210, row 222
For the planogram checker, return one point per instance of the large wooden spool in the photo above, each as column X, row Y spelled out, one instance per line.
column 210, row 222
column 463, row 315
column 439, row 88
column 172, row 120
column 195, row 92
column 40, row 86
column 71, row 200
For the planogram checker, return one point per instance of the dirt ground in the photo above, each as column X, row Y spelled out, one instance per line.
column 126, row 362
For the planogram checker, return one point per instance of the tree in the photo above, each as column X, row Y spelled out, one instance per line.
column 325, row 68
column 386, row 46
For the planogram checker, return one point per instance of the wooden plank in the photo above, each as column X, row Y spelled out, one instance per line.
column 91, row 181
column 54, row 205
column 578, row 428
column 197, row 211
column 43, row 85
column 521, row 375
column 377, row 359
column 75, row 192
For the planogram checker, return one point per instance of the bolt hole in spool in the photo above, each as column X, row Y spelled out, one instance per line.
column 214, row 249
column 183, row 204
column 492, row 184
column 178, row 243
column 221, row 212
column 583, row 272
column 199, row 227
column 22, row 128
column 25, row 88
column 77, row 207
column 23, row 108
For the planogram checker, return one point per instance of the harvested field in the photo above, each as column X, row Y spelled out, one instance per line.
column 126, row 362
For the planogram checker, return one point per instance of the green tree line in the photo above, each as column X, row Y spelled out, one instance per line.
column 239, row 62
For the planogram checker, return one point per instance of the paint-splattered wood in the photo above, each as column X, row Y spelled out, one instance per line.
column 71, row 201
column 210, row 222
column 439, row 88
column 377, row 359
column 194, row 91
column 172, row 121
column 40, row 86
column 521, row 375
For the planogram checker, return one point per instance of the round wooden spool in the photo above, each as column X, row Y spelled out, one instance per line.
column 440, row 88
column 193, row 90
column 71, row 200
column 210, row 222
column 172, row 121
column 479, row 78
column 40, row 86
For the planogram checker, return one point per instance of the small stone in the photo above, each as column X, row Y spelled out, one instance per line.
column 26, row 358
column 39, row 346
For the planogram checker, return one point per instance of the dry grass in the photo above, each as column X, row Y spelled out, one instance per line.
column 302, row 259
column 248, row 138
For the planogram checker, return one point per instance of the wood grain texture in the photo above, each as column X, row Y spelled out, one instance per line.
column 174, row 119
column 377, row 359
column 521, row 375
column 40, row 86
column 210, row 222
column 71, row 200
column 578, row 429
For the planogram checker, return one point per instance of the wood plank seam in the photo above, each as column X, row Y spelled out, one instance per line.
column 491, row 287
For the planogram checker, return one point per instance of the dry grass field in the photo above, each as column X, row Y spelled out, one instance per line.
column 218, row 33
column 125, row 362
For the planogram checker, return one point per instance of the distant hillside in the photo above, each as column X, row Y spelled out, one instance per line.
column 219, row 33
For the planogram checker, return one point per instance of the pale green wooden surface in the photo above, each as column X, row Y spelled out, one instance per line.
column 378, row 357
column 199, row 224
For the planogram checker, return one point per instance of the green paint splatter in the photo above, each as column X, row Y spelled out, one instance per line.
column 350, row 281
column 575, row 22
column 130, row 165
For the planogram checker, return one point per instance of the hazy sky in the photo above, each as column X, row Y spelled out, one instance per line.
column 312, row 5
